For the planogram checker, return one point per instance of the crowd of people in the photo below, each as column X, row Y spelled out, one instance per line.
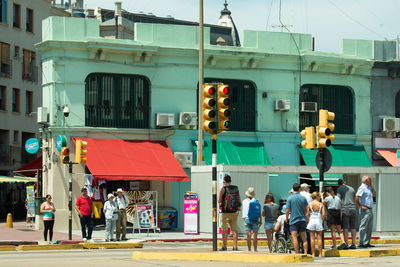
column 303, row 215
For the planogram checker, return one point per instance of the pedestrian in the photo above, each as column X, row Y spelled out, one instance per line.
column 84, row 207
column 296, row 207
column 270, row 212
column 315, row 214
column 229, row 200
column 252, row 217
column 122, row 203
column 48, row 209
column 349, row 213
column 111, row 214
column 334, row 206
column 280, row 223
column 305, row 192
column 365, row 200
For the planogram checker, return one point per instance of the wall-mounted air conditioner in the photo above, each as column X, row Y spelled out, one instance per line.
column 390, row 124
column 42, row 115
column 185, row 159
column 187, row 119
column 282, row 105
column 165, row 119
column 308, row 106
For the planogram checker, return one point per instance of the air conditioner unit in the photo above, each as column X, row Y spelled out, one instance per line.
column 187, row 119
column 391, row 124
column 282, row 104
column 165, row 119
column 42, row 115
column 308, row 106
column 185, row 159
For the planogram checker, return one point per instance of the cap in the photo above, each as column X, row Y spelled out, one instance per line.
column 110, row 196
column 119, row 190
column 304, row 185
column 340, row 181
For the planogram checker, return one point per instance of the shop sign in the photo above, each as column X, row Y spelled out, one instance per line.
column 191, row 215
column 61, row 141
column 145, row 216
column 32, row 145
column 30, row 201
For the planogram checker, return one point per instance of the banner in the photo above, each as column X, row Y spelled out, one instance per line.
column 30, row 201
column 145, row 216
column 191, row 215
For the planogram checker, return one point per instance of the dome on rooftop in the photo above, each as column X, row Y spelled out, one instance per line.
column 226, row 20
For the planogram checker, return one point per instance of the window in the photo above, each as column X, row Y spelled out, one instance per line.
column 15, row 100
column 29, row 71
column 116, row 100
column 16, row 51
column 3, row 11
column 5, row 62
column 28, row 102
column 397, row 105
column 29, row 20
column 243, row 106
column 338, row 99
column 2, row 98
column 17, row 16
column 16, row 136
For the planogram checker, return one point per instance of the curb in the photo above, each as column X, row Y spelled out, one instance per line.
column 49, row 247
column 225, row 257
column 17, row 243
column 372, row 241
column 111, row 245
column 7, row 248
column 361, row 253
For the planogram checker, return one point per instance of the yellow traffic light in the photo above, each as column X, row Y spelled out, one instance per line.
column 309, row 135
column 209, row 108
column 65, row 155
column 223, row 108
column 325, row 128
column 80, row 151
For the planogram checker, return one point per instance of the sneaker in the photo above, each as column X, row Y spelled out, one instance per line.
column 369, row 246
column 361, row 246
column 342, row 246
column 84, row 239
column 353, row 246
column 118, row 239
column 223, row 249
column 124, row 239
column 107, row 240
column 90, row 241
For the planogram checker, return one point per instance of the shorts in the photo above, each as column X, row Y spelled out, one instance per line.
column 334, row 217
column 251, row 224
column 349, row 219
column 229, row 218
column 298, row 226
column 315, row 226
column 269, row 226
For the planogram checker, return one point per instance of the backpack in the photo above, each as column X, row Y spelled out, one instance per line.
column 254, row 209
column 230, row 202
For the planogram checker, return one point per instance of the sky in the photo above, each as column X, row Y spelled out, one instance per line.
column 329, row 21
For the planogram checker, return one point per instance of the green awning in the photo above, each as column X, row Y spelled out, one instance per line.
column 236, row 153
column 17, row 179
column 342, row 155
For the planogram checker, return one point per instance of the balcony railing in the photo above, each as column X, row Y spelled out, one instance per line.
column 29, row 72
column 5, row 67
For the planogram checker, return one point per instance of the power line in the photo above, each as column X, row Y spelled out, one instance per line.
column 269, row 14
column 352, row 19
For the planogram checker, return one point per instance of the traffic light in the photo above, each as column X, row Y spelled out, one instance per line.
column 223, row 108
column 65, row 155
column 325, row 128
column 209, row 108
column 80, row 151
column 309, row 138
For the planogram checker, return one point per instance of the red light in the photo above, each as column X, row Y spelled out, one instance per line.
column 211, row 90
column 225, row 90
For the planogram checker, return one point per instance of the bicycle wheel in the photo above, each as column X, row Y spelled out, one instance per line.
column 280, row 245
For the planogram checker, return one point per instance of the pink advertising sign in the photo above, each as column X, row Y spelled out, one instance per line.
column 191, row 216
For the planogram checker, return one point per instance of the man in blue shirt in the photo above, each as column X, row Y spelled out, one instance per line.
column 296, row 207
column 365, row 200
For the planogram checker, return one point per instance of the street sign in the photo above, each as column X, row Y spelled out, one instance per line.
column 398, row 154
column 61, row 142
column 32, row 145
column 327, row 157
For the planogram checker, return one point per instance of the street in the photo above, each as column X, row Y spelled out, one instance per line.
column 124, row 258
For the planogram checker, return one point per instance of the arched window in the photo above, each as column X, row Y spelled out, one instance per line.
column 117, row 100
column 397, row 105
column 338, row 99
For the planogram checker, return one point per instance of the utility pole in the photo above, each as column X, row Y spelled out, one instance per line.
column 70, row 201
column 200, row 150
column 214, row 190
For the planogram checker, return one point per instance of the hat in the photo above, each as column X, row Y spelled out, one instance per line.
column 110, row 196
column 119, row 190
column 304, row 185
column 340, row 181
column 284, row 209
column 250, row 192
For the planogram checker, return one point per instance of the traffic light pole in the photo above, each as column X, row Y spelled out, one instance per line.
column 70, row 201
column 214, row 190
column 200, row 150
column 321, row 180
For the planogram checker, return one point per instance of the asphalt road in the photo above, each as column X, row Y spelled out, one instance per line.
column 121, row 258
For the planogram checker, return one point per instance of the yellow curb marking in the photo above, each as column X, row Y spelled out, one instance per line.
column 50, row 247
column 361, row 253
column 110, row 245
column 7, row 248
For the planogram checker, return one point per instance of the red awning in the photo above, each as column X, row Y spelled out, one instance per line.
column 115, row 159
column 390, row 156
column 31, row 167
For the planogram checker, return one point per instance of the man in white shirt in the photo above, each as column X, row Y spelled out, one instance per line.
column 305, row 192
column 122, row 203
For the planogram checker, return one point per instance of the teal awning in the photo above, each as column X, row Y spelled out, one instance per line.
column 342, row 155
column 236, row 153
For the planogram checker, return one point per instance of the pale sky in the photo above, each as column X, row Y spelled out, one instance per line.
column 328, row 21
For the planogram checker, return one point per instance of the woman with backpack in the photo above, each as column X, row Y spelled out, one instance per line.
column 110, row 212
column 252, row 217
column 334, row 220
column 270, row 212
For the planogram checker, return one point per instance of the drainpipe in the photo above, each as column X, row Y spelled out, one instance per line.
column 116, row 15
